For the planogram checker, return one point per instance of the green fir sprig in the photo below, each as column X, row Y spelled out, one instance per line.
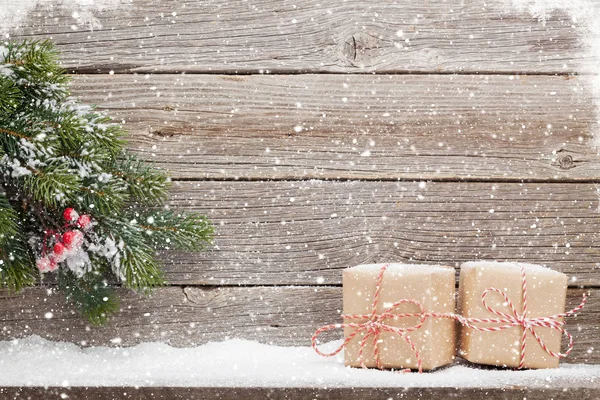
column 73, row 201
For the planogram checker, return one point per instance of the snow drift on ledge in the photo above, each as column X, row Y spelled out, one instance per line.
column 34, row 361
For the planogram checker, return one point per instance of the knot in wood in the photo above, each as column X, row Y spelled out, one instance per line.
column 163, row 133
column 566, row 161
column 361, row 48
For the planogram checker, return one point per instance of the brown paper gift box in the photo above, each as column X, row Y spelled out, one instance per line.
column 546, row 296
column 432, row 286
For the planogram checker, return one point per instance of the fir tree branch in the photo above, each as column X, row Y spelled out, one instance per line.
column 85, row 133
column 56, row 152
column 38, row 69
column 51, row 186
column 134, row 262
column 90, row 295
column 8, row 221
column 17, row 266
column 16, row 263
column 146, row 184
column 102, row 197
column 10, row 96
column 13, row 133
column 166, row 229
column 140, row 267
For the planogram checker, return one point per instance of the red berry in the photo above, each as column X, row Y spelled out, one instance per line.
column 70, row 214
column 84, row 221
column 72, row 239
column 59, row 249
column 68, row 238
column 59, row 252
column 43, row 264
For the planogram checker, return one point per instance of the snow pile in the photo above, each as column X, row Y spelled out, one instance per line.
column 584, row 14
column 34, row 361
column 14, row 12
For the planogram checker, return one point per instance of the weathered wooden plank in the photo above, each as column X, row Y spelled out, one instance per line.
column 356, row 126
column 284, row 36
column 305, row 232
column 175, row 393
column 190, row 316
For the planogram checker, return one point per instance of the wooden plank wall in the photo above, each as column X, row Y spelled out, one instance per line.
column 319, row 136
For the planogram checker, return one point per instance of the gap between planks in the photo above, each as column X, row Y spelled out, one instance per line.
column 407, row 179
column 228, row 72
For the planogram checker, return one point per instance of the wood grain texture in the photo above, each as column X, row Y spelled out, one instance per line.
column 439, row 127
column 554, row 392
column 190, row 316
column 495, row 128
column 306, row 232
column 285, row 36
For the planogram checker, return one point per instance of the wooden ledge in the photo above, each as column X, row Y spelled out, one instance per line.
column 173, row 393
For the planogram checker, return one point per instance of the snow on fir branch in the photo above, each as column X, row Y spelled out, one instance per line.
column 74, row 202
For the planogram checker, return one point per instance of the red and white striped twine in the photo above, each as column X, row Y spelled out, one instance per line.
column 374, row 324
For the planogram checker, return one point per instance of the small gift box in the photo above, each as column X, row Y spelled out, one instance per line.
column 399, row 316
column 512, row 314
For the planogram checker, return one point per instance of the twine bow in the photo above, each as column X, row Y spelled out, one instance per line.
column 375, row 324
